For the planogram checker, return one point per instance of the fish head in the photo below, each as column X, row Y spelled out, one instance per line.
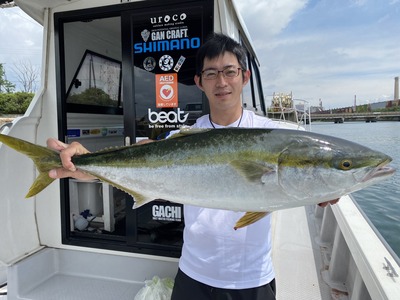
column 321, row 167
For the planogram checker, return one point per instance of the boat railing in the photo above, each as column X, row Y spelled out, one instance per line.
column 357, row 261
column 297, row 112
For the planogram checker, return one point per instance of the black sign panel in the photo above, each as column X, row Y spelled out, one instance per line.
column 165, row 43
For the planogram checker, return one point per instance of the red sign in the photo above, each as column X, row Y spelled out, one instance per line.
column 166, row 90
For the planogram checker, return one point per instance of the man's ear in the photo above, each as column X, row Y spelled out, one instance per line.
column 197, row 80
column 246, row 77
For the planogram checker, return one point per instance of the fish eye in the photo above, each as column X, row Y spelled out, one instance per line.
column 345, row 164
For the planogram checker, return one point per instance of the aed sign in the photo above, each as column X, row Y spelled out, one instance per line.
column 167, row 90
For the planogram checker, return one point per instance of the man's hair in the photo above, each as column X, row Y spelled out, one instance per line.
column 217, row 44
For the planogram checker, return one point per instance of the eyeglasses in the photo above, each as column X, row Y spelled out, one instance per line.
column 228, row 72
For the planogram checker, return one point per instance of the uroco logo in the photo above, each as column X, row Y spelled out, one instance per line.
column 168, row 18
column 171, row 116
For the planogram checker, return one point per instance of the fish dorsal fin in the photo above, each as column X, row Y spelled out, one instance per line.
column 185, row 131
column 249, row 218
column 252, row 171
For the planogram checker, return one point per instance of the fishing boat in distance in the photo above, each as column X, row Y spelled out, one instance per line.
column 82, row 240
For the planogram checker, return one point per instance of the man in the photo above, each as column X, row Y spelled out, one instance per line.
column 217, row 262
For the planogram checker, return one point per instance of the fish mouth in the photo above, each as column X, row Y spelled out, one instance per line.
column 382, row 170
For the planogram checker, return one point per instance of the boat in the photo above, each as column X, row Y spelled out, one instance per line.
column 82, row 240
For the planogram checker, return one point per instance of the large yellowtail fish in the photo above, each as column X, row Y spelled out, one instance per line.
column 250, row 170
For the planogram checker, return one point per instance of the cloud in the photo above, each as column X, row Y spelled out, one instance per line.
column 324, row 49
column 21, row 40
column 269, row 15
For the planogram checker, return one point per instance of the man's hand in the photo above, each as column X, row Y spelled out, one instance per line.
column 331, row 202
column 67, row 151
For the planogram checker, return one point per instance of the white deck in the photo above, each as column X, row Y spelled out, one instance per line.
column 301, row 261
column 297, row 258
column 74, row 275
column 65, row 274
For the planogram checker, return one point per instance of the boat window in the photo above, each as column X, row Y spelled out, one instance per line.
column 252, row 92
column 257, row 88
column 97, row 81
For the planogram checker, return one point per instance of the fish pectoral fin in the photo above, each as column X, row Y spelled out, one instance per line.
column 253, row 171
column 250, row 218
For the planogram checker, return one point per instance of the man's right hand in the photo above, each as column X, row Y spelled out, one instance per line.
column 67, row 151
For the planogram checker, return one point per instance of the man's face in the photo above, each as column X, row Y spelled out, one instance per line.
column 223, row 92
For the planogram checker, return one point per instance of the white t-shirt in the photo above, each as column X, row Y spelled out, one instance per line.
column 213, row 252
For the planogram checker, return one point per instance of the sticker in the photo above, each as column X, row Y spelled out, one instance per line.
column 167, row 213
column 166, row 90
column 145, row 35
column 149, row 64
column 73, row 133
column 179, row 63
column 166, row 62
column 95, row 131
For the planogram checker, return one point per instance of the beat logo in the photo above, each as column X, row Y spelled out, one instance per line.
column 167, row 117
column 167, row 213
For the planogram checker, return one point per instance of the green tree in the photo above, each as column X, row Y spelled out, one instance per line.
column 92, row 96
column 15, row 103
column 5, row 85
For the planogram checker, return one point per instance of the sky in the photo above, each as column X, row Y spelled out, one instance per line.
column 20, row 43
column 335, row 51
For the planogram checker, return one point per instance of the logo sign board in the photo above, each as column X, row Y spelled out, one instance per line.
column 164, row 47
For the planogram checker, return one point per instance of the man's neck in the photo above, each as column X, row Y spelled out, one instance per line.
column 225, row 117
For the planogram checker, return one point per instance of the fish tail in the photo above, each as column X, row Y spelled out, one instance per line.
column 44, row 158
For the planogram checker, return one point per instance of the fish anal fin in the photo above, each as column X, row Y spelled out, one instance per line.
column 251, row 170
column 249, row 218
column 139, row 198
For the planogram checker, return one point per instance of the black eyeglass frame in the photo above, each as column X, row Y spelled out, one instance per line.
column 228, row 68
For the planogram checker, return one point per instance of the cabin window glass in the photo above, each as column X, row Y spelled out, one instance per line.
column 97, row 81
column 256, row 85
column 247, row 96
column 252, row 95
